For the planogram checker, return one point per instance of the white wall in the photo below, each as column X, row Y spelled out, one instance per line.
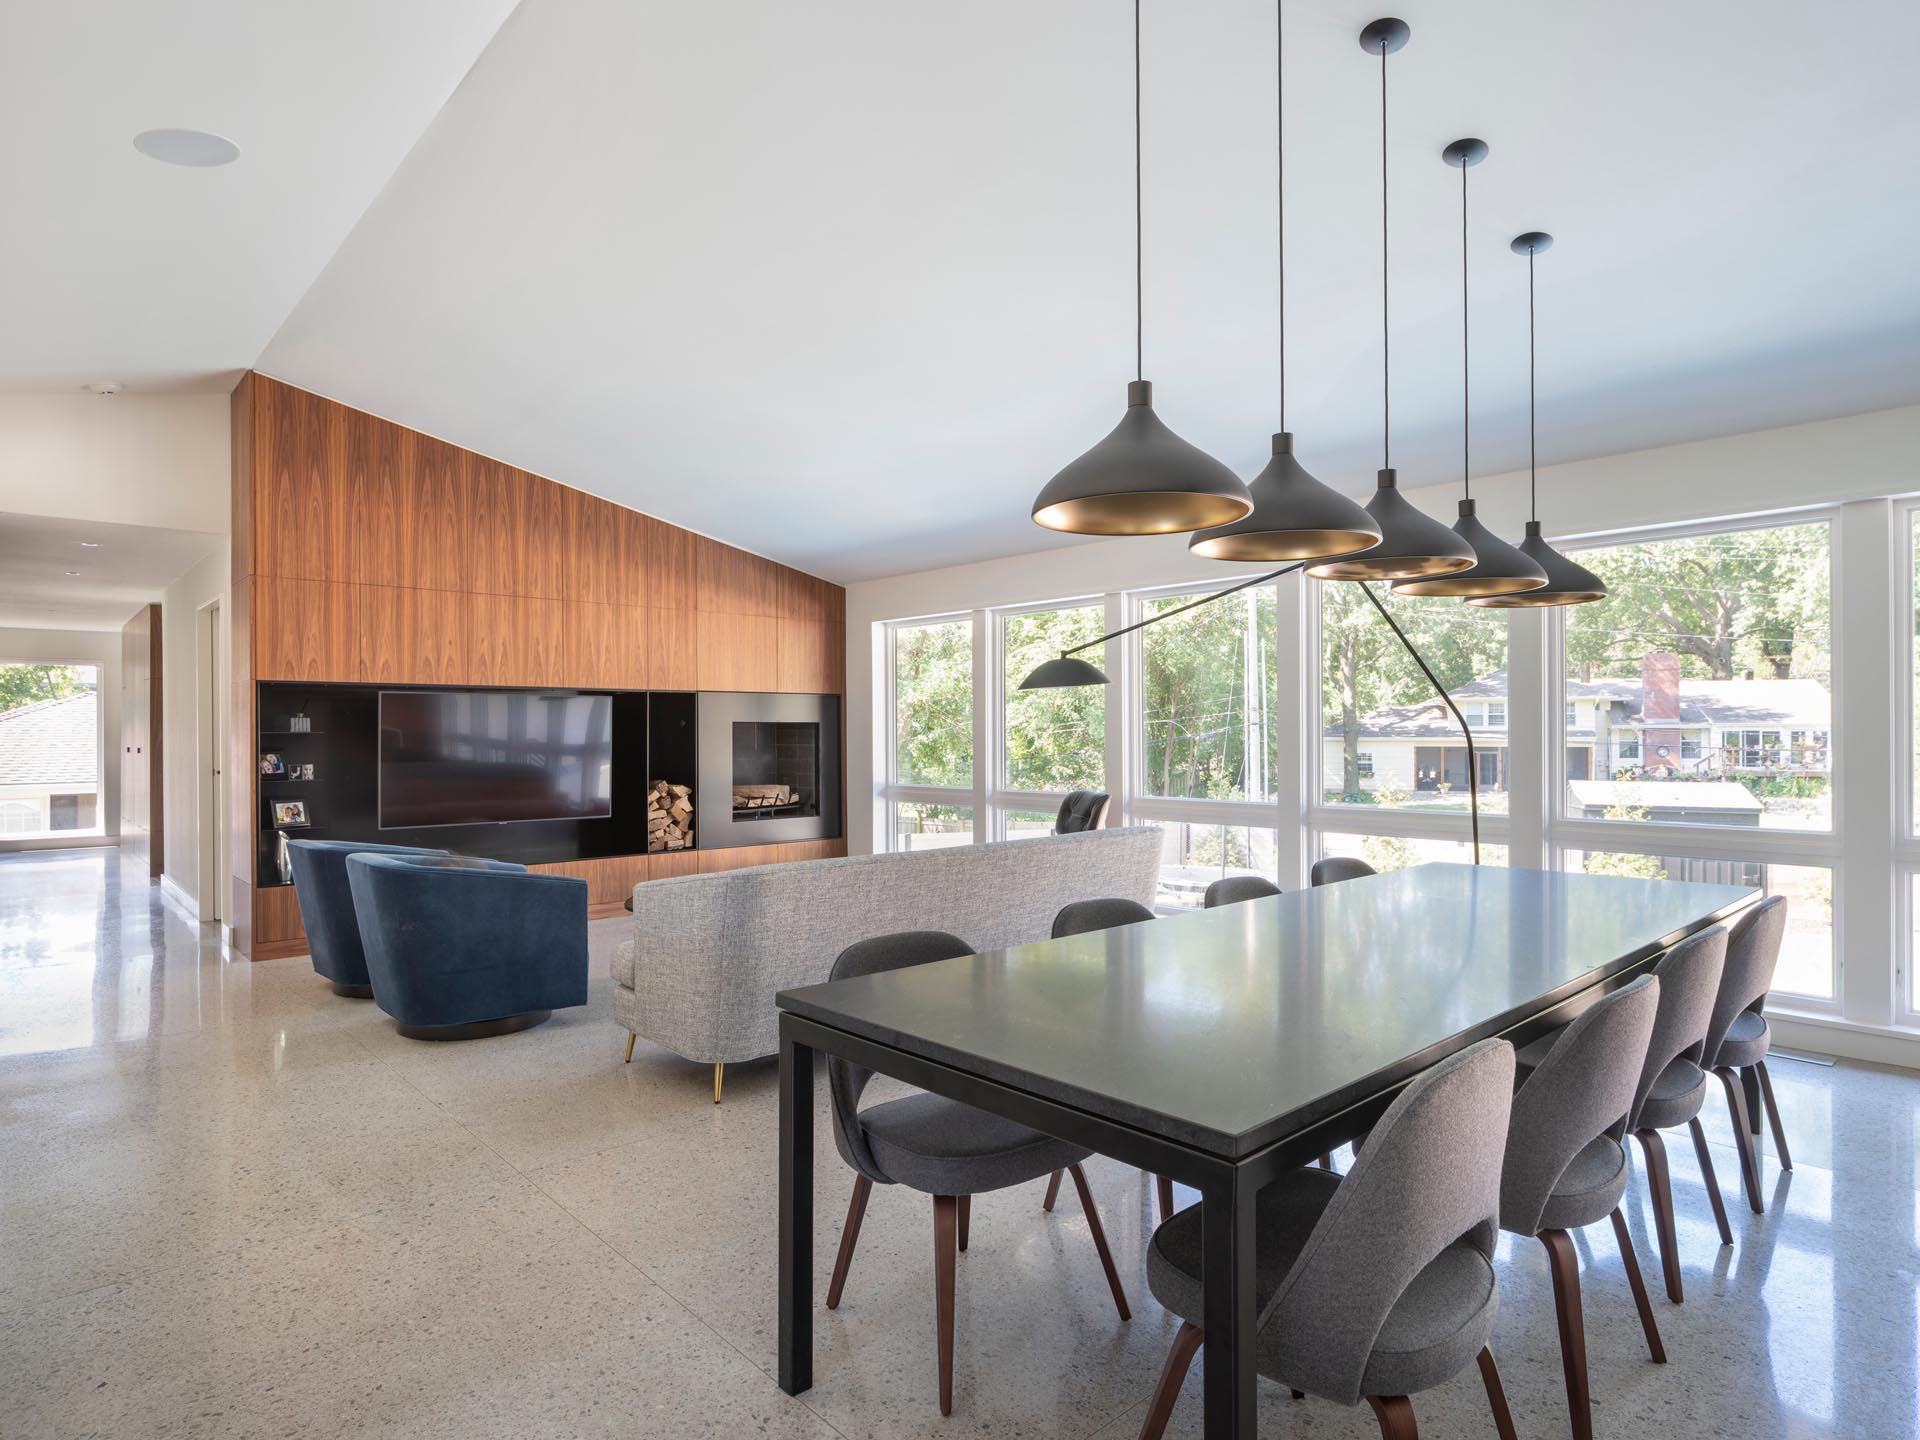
column 1854, row 458
column 99, row 648
column 129, row 460
column 187, row 710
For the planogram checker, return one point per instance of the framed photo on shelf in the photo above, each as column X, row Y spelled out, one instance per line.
column 300, row 772
column 290, row 814
column 271, row 763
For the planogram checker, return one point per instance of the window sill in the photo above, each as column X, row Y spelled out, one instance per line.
column 1828, row 1034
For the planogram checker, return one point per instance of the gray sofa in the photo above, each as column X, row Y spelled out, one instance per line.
column 709, row 952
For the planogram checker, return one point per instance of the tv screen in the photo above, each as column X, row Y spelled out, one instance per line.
column 475, row 757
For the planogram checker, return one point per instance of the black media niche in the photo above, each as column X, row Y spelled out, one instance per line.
column 325, row 770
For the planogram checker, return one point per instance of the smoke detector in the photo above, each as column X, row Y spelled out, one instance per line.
column 106, row 389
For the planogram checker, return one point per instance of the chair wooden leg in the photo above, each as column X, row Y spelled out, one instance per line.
column 1631, row 1263
column 1743, row 1140
column 1395, row 1414
column 1053, row 1191
column 1713, row 1185
column 718, row 1071
column 1660, row 1192
column 1750, row 1089
column 1565, row 1265
column 1100, row 1241
column 1773, row 1116
column 631, row 1037
column 1496, row 1396
column 849, row 1237
column 946, row 1232
column 1165, row 1188
column 1326, row 1162
column 1186, row 1342
column 965, row 1218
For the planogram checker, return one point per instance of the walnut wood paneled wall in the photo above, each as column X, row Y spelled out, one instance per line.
column 366, row 552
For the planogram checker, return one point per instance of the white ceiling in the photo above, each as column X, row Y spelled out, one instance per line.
column 114, row 267
column 129, row 567
column 845, row 282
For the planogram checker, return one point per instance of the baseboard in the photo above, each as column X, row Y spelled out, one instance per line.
column 277, row 949
column 170, row 889
column 59, row 842
column 1846, row 1040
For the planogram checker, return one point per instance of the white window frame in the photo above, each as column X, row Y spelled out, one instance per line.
column 1906, row 844
column 894, row 792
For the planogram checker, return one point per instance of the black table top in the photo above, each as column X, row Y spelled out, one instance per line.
column 1227, row 1029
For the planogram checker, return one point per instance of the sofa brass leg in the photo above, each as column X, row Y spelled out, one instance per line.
column 631, row 1037
column 718, row 1071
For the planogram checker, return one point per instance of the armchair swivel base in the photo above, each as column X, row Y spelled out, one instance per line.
column 475, row 1029
column 353, row 992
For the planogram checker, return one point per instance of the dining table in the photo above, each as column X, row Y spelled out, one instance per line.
column 1221, row 1048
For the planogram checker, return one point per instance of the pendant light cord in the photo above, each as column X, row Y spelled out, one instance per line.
column 1280, row 183
column 1139, row 288
column 1466, row 387
column 1386, row 334
column 1533, row 459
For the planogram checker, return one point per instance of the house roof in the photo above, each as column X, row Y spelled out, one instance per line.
column 1729, row 704
column 51, row 742
column 1720, row 795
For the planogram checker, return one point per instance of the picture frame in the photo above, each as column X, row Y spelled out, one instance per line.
column 301, row 772
column 290, row 814
column 272, row 763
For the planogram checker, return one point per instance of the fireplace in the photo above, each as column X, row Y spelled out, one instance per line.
column 777, row 759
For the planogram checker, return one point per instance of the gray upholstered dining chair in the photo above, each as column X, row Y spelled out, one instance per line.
column 1739, row 1037
column 1673, row 1086
column 939, row 1147
column 1379, row 1285
column 1082, row 810
column 1083, row 917
column 1566, row 1165
column 1234, row 889
column 1335, row 868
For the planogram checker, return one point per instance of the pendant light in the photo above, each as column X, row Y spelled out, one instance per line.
column 1412, row 543
column 1501, row 568
column 1567, row 583
column 1294, row 516
column 1142, row 479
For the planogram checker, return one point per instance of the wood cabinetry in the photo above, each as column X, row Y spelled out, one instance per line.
column 366, row 552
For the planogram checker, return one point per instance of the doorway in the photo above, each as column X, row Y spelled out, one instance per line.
column 210, row 735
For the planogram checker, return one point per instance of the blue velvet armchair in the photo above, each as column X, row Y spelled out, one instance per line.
column 459, row 948
column 326, row 908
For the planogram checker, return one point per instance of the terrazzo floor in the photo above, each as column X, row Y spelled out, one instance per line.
column 234, row 1204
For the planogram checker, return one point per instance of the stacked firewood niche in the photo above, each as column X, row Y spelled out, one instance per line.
column 669, row 816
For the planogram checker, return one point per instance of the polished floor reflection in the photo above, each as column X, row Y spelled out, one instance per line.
column 232, row 1203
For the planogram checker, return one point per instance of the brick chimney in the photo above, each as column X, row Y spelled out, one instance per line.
column 1660, row 701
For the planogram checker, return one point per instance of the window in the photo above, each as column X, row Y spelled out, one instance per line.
column 1711, row 652
column 1027, row 824
column 1374, row 696
column 1399, row 852
column 1806, row 965
column 931, row 827
column 1192, row 857
column 1363, row 760
column 1052, row 740
column 49, row 749
column 933, row 704
column 1208, row 695
column 18, row 817
column 1573, row 716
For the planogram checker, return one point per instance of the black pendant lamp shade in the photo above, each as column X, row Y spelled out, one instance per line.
column 1294, row 517
column 1061, row 672
column 1141, row 480
column 1499, row 568
column 1412, row 542
column 1568, row 583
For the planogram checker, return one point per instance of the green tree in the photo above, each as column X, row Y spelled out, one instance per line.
column 30, row 684
column 1055, row 739
column 933, row 703
column 1208, row 697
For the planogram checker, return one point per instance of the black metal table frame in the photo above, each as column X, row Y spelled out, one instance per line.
column 1228, row 1187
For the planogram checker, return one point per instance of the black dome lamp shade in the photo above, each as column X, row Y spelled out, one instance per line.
column 1500, row 568
column 1063, row 671
column 1142, row 479
column 1568, row 583
column 1294, row 515
column 1412, row 543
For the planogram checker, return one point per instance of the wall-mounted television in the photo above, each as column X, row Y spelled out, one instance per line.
column 466, row 757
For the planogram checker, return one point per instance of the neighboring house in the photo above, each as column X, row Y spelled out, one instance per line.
column 50, row 766
column 1657, row 722
column 1704, row 802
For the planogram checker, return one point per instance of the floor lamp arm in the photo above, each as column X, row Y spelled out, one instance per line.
column 1473, row 762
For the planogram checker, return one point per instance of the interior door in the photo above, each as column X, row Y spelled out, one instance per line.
column 141, row 786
